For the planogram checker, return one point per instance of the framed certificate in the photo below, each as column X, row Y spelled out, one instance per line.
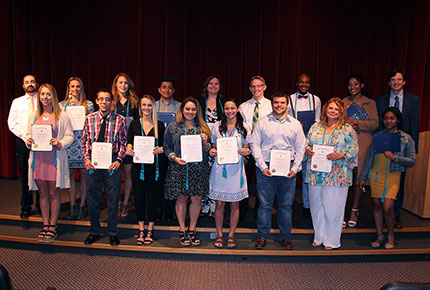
column 356, row 112
column 319, row 161
column 227, row 150
column 77, row 116
column 101, row 155
column 280, row 161
column 191, row 148
column 41, row 135
column 143, row 147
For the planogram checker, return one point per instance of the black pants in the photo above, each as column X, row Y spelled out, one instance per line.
column 22, row 154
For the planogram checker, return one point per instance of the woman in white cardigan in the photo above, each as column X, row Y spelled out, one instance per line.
column 48, row 170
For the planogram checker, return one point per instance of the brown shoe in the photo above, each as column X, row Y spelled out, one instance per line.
column 398, row 224
column 260, row 243
column 287, row 244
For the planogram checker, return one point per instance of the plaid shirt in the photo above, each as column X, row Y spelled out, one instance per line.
column 115, row 127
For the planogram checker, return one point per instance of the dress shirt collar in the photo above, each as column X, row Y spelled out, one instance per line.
column 273, row 118
column 400, row 95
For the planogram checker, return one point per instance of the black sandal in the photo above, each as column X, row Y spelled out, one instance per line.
column 184, row 240
column 149, row 239
column 42, row 233
column 51, row 235
column 193, row 237
column 140, row 238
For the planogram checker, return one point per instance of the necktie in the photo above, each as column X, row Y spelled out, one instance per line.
column 256, row 114
column 101, row 137
column 396, row 103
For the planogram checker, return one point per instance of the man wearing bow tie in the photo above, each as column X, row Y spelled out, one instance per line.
column 409, row 105
column 304, row 106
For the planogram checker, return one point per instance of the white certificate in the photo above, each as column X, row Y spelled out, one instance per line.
column 280, row 161
column 227, row 150
column 191, row 148
column 101, row 155
column 143, row 147
column 77, row 116
column 41, row 135
column 319, row 159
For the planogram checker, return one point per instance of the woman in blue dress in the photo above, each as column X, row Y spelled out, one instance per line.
column 227, row 182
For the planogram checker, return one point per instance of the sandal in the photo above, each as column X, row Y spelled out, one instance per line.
column 149, row 239
column 184, row 240
column 124, row 211
column 390, row 242
column 51, row 235
column 378, row 243
column 231, row 243
column 193, row 237
column 219, row 243
column 42, row 233
column 140, row 238
column 352, row 223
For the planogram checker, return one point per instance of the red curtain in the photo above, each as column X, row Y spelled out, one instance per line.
column 192, row 39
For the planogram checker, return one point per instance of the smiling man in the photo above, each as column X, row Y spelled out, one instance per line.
column 409, row 105
column 276, row 131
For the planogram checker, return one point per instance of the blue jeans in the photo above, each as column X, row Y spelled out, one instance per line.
column 284, row 189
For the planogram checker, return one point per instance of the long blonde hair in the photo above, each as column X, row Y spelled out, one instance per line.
column 342, row 112
column 82, row 96
column 55, row 107
column 134, row 100
column 180, row 117
column 154, row 113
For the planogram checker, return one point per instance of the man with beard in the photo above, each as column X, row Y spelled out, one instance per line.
column 17, row 121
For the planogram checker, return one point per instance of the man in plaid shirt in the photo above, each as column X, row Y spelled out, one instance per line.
column 104, row 126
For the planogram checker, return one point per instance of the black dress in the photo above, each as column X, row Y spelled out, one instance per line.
column 127, row 111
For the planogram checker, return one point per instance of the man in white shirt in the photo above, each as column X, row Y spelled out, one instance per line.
column 252, row 110
column 17, row 121
column 306, row 108
column 276, row 131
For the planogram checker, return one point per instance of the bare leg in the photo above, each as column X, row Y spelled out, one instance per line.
column 388, row 207
column 54, row 195
column 72, row 189
column 234, row 218
column 219, row 216
column 377, row 215
column 196, row 204
column 181, row 211
column 44, row 199
column 127, row 183
column 82, row 186
column 356, row 202
column 150, row 226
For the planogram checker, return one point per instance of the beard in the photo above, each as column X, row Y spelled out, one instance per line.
column 30, row 89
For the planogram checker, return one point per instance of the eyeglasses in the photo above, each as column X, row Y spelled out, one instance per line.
column 104, row 99
column 257, row 86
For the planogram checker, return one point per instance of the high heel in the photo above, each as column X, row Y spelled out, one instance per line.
column 378, row 243
column 390, row 242
column 352, row 223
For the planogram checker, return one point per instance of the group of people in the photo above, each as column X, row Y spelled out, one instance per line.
column 291, row 130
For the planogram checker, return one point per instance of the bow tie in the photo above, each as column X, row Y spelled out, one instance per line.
column 303, row 96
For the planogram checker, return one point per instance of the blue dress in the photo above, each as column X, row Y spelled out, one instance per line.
column 228, row 188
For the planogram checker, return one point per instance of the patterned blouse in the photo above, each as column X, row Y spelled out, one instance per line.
column 344, row 141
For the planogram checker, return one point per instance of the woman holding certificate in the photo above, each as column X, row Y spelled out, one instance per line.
column 362, row 115
column 145, row 142
column 393, row 150
column 126, row 103
column 49, row 135
column 227, row 183
column 77, row 107
column 332, row 149
column 186, row 144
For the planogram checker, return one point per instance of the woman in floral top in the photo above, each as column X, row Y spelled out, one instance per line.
column 328, row 190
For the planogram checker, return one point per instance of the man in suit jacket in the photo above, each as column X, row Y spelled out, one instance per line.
column 409, row 105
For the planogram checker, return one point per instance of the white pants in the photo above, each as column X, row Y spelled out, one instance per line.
column 327, row 205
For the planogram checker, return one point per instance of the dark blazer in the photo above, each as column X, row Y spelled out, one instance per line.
column 219, row 107
column 410, row 112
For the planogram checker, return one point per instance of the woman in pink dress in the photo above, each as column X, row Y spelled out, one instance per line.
column 49, row 170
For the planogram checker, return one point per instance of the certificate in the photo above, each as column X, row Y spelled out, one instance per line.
column 386, row 142
column 41, row 135
column 143, row 147
column 191, row 148
column 77, row 116
column 227, row 150
column 356, row 112
column 319, row 159
column 101, row 155
column 280, row 161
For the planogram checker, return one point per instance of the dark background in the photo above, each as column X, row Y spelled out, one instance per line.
column 190, row 40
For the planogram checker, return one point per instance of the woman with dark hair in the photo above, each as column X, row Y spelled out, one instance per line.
column 125, row 102
column 75, row 96
column 184, row 180
column 227, row 182
column 48, row 170
column 385, row 170
column 148, row 179
column 364, row 124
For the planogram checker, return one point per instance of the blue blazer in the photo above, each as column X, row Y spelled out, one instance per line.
column 410, row 112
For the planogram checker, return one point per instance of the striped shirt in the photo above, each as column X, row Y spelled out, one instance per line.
column 116, row 133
